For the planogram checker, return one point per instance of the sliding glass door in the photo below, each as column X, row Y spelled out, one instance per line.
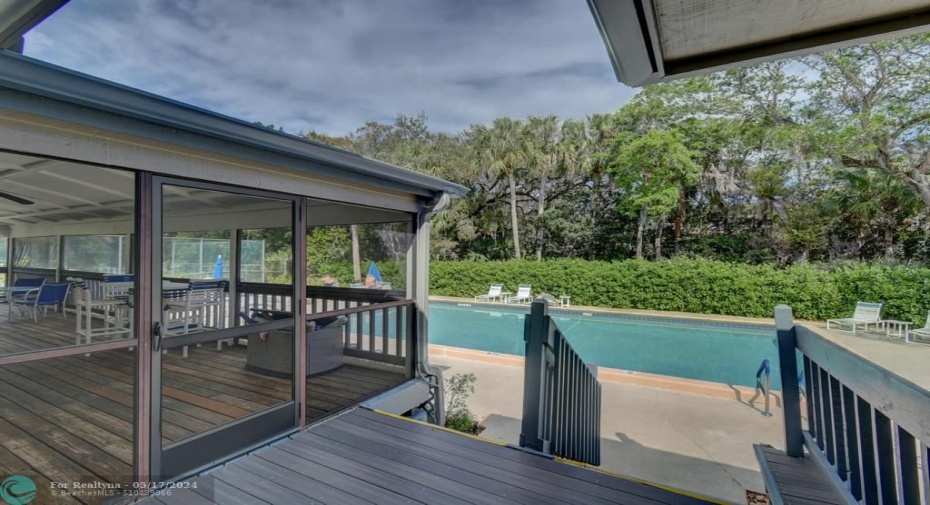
column 222, row 370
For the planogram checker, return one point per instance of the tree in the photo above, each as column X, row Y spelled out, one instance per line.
column 653, row 169
column 874, row 204
column 876, row 100
column 501, row 149
column 545, row 152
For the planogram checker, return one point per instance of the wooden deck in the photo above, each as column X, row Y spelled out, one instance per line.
column 364, row 457
column 71, row 419
column 796, row 480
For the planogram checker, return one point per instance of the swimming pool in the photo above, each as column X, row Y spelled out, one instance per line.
column 728, row 354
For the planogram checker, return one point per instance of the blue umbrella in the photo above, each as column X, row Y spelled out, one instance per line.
column 374, row 272
column 218, row 268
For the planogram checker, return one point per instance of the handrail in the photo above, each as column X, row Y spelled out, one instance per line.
column 359, row 309
column 561, row 395
column 357, row 294
column 765, row 389
column 869, row 425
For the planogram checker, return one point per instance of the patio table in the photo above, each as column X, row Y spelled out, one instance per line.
column 895, row 329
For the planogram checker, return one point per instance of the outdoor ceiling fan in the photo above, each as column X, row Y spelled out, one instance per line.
column 18, row 199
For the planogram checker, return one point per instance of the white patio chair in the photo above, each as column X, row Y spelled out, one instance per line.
column 524, row 295
column 493, row 294
column 117, row 318
column 865, row 314
column 922, row 333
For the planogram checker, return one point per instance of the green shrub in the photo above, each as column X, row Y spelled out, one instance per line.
column 457, row 390
column 700, row 286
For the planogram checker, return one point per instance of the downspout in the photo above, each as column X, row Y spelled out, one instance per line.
column 433, row 375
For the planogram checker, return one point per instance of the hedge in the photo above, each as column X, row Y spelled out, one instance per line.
column 700, row 286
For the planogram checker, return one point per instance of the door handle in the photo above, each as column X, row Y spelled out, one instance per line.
column 159, row 335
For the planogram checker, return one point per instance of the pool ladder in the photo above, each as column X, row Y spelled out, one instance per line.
column 766, row 368
column 765, row 389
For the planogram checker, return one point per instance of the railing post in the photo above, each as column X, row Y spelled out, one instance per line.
column 535, row 333
column 788, row 365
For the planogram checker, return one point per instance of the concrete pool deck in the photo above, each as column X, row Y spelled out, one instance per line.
column 686, row 440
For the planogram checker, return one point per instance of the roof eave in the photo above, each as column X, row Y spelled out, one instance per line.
column 629, row 33
column 39, row 78
column 19, row 16
column 631, row 38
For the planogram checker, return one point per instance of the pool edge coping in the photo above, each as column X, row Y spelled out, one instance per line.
column 713, row 319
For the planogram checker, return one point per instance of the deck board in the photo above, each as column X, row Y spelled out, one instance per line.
column 70, row 419
column 799, row 480
column 366, row 457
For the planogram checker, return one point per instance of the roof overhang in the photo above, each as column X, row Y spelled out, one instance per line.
column 651, row 41
column 19, row 16
column 35, row 78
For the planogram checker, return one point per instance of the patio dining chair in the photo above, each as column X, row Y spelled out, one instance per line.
column 45, row 295
column 118, row 287
column 202, row 305
column 24, row 283
column 115, row 312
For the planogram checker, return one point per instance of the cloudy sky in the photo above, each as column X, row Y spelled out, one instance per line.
column 331, row 65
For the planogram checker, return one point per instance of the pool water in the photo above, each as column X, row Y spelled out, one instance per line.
column 716, row 353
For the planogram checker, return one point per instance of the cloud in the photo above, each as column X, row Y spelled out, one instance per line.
column 331, row 65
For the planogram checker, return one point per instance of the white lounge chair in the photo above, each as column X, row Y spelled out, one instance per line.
column 865, row 314
column 523, row 295
column 493, row 294
column 923, row 333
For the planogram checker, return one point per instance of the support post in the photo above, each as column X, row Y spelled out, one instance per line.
column 791, row 395
column 535, row 333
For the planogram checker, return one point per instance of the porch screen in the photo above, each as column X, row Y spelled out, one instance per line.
column 35, row 252
column 106, row 254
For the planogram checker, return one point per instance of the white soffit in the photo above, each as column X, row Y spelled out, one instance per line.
column 656, row 40
column 690, row 28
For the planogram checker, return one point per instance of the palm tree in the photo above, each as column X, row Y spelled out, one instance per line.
column 545, row 152
column 501, row 149
column 873, row 201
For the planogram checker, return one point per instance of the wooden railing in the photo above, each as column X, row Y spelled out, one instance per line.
column 870, row 427
column 379, row 332
column 561, row 394
column 253, row 295
column 380, row 323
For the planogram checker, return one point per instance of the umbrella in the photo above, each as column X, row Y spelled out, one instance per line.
column 374, row 272
column 218, row 268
